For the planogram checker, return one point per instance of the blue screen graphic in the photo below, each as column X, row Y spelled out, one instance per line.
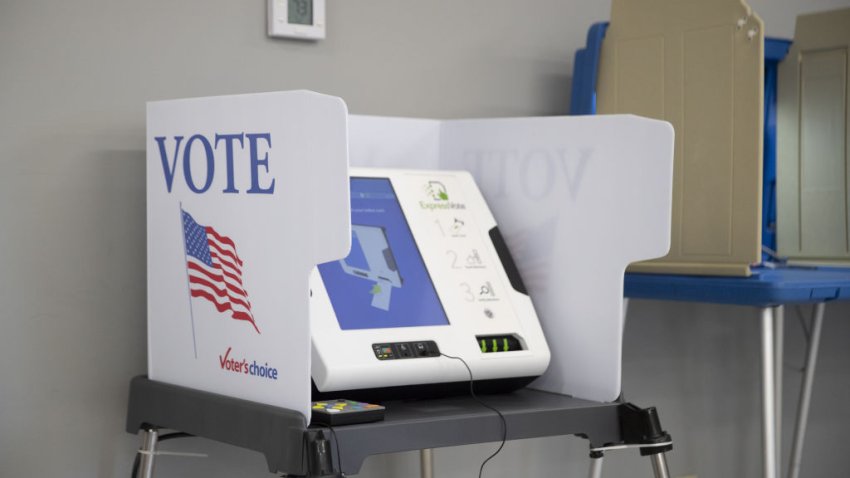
column 383, row 282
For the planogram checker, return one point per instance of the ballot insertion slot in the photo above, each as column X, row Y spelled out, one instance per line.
column 499, row 343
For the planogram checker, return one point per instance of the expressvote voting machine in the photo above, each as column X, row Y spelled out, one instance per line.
column 428, row 274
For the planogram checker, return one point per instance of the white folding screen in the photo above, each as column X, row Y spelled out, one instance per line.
column 577, row 199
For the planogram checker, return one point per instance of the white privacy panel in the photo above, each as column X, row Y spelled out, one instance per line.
column 577, row 199
column 245, row 195
column 394, row 142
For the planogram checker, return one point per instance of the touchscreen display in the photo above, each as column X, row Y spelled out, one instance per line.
column 383, row 282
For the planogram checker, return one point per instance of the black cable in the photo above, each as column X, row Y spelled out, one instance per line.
column 481, row 402
column 338, row 455
column 167, row 436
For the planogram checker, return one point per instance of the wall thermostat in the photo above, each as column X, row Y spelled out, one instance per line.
column 302, row 19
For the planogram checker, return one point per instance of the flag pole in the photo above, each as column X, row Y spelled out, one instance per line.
column 188, row 286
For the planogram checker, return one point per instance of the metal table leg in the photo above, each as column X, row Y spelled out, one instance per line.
column 596, row 458
column 768, row 392
column 806, row 391
column 778, row 369
column 659, row 465
column 146, row 461
column 426, row 462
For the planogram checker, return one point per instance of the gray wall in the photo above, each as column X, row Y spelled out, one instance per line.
column 74, row 77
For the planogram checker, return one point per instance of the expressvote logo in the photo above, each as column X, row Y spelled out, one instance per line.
column 201, row 158
column 437, row 197
column 437, row 191
column 243, row 366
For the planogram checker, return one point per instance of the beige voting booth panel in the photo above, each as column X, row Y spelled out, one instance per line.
column 699, row 65
column 812, row 131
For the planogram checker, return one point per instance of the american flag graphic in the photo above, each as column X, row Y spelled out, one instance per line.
column 215, row 270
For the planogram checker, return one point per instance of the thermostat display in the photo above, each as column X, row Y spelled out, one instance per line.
column 302, row 19
column 300, row 12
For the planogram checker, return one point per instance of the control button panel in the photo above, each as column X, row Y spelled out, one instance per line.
column 406, row 350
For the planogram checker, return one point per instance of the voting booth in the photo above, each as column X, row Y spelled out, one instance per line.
column 453, row 253
column 700, row 66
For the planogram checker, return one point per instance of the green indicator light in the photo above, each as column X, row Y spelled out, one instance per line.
column 505, row 344
column 495, row 346
column 483, row 346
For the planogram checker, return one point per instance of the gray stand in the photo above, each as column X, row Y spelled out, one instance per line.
column 292, row 448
